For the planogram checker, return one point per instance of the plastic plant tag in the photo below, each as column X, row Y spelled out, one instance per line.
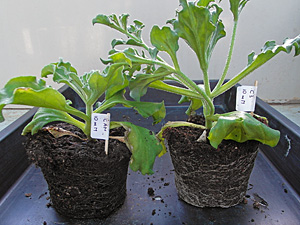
column 246, row 98
column 100, row 126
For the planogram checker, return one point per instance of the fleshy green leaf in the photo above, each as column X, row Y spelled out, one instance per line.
column 143, row 144
column 115, row 77
column 102, row 19
column 117, row 42
column 195, row 26
column 120, row 57
column 135, row 57
column 64, row 72
column 269, row 50
column 32, row 92
column 153, row 53
column 204, row 3
column 241, row 127
column 44, row 116
column 116, row 80
column 136, row 29
column 236, row 7
column 165, row 40
column 219, row 31
column 145, row 109
column 97, row 85
column 89, row 87
column 138, row 86
column 120, row 24
column 124, row 20
column 194, row 104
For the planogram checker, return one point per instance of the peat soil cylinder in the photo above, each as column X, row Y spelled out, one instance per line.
column 209, row 177
column 82, row 180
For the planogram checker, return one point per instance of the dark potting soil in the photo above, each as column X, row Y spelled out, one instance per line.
column 205, row 176
column 83, row 181
column 185, row 138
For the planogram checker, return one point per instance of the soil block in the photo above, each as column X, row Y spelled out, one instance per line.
column 83, row 181
column 209, row 177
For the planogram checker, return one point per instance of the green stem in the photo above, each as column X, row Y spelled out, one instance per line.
column 175, row 90
column 234, row 81
column 181, row 76
column 87, row 129
column 206, row 83
column 105, row 105
column 210, row 109
column 78, row 91
column 222, row 79
column 208, row 103
column 77, row 113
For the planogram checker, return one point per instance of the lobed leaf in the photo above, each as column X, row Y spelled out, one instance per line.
column 145, row 109
column 143, row 144
column 200, row 27
column 97, row 85
column 44, row 116
column 29, row 91
column 64, row 72
column 133, row 32
column 135, row 57
column 136, row 29
column 103, row 19
column 139, row 84
column 116, row 80
column 241, row 127
column 165, row 40
column 133, row 42
column 89, row 87
column 236, row 6
column 219, row 32
column 204, row 3
column 194, row 104
column 269, row 50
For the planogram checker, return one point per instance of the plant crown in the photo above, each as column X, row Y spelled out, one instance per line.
column 28, row 90
column 198, row 23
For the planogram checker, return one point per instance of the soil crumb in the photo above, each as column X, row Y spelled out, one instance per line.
column 150, row 191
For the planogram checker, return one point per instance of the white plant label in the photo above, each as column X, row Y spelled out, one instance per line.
column 246, row 98
column 100, row 126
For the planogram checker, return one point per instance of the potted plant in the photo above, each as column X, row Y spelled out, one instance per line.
column 83, row 180
column 213, row 158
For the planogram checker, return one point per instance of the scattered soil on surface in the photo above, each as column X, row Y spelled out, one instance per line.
column 150, row 191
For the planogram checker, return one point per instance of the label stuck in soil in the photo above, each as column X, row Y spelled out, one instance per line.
column 100, row 126
column 246, row 98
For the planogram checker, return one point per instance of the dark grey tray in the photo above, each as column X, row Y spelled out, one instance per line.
column 275, row 179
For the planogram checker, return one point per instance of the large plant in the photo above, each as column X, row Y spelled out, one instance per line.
column 28, row 90
column 198, row 23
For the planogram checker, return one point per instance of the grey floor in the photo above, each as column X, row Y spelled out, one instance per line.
column 291, row 111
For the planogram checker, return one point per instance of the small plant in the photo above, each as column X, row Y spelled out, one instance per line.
column 28, row 90
column 198, row 23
